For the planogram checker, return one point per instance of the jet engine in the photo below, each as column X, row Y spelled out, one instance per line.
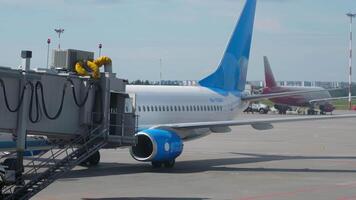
column 157, row 146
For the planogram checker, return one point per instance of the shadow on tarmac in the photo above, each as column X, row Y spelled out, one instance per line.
column 145, row 198
column 197, row 166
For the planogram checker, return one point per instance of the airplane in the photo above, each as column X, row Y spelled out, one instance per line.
column 320, row 97
column 35, row 145
column 170, row 115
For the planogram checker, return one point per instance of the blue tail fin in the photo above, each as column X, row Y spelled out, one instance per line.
column 232, row 71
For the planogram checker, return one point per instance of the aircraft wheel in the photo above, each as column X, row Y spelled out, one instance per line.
column 169, row 163
column 156, row 164
column 94, row 159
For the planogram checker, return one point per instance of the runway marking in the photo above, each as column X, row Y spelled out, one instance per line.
column 347, row 183
column 336, row 186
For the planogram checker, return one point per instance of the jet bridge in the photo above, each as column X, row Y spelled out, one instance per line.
column 78, row 114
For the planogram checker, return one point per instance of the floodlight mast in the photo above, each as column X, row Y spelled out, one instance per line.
column 100, row 47
column 48, row 44
column 351, row 16
column 59, row 31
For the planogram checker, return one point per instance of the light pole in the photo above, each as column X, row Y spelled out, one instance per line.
column 350, row 15
column 48, row 43
column 59, row 31
column 160, row 71
column 100, row 46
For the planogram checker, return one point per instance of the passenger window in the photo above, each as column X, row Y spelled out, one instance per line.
column 163, row 108
column 178, row 108
column 194, row 108
column 198, row 108
column 144, row 108
column 183, row 108
column 148, row 108
column 208, row 108
column 139, row 108
column 175, row 108
column 159, row 108
column 167, row 108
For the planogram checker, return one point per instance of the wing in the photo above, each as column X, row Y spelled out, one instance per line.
column 259, row 124
column 275, row 95
column 330, row 99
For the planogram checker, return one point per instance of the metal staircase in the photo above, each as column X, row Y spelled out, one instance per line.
column 46, row 168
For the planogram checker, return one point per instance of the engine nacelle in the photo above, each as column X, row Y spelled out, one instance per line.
column 157, row 145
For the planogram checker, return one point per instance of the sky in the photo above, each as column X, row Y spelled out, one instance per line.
column 303, row 39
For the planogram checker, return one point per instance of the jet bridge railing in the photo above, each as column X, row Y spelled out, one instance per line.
column 45, row 168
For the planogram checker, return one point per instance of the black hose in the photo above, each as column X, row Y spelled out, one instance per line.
column 79, row 104
column 33, row 93
column 34, row 97
column 7, row 101
column 40, row 86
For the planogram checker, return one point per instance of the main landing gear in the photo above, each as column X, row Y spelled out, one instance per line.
column 311, row 111
column 167, row 164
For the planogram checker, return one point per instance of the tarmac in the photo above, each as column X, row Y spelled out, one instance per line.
column 301, row 160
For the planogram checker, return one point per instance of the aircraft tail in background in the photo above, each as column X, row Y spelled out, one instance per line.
column 269, row 78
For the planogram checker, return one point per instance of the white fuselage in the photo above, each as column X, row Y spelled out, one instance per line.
column 156, row 105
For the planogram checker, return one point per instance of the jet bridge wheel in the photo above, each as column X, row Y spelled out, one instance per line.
column 93, row 160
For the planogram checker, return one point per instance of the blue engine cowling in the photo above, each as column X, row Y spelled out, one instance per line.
column 157, row 145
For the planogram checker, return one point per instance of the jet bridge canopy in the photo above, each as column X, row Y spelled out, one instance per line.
column 61, row 105
column 79, row 114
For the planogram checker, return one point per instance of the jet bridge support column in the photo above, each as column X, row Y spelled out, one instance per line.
column 22, row 115
column 106, row 105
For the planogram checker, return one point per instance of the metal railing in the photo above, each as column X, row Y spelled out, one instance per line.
column 44, row 170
